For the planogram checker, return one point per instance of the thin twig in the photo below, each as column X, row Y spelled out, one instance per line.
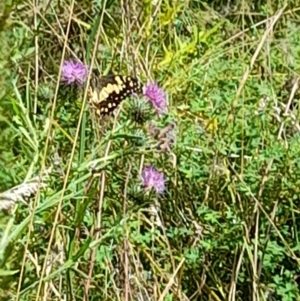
column 101, row 196
column 126, row 248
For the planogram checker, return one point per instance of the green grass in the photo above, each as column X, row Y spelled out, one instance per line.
column 227, row 226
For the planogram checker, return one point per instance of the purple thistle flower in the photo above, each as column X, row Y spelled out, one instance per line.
column 152, row 178
column 74, row 72
column 157, row 97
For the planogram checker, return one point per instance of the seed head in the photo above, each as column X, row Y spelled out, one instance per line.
column 165, row 137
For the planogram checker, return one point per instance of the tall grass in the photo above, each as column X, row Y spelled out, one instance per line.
column 76, row 220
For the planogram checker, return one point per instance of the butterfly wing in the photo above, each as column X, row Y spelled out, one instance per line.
column 106, row 93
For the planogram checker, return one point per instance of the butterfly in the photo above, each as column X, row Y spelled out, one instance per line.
column 106, row 93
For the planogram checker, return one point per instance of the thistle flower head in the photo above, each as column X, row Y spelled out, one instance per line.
column 153, row 130
column 152, row 178
column 165, row 137
column 74, row 72
column 139, row 112
column 167, row 143
column 157, row 97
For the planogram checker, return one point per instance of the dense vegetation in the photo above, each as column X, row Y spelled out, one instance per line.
column 78, row 220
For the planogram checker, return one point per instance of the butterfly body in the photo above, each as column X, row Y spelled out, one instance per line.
column 106, row 93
